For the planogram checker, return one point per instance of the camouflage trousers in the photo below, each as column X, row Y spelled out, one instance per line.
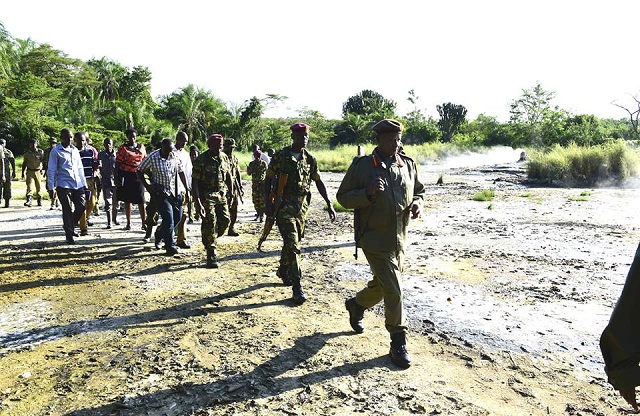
column 291, row 222
column 257, row 196
column 216, row 219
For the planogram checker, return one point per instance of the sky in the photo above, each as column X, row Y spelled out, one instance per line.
column 480, row 54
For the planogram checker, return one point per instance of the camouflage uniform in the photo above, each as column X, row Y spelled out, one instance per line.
column 210, row 172
column 258, row 170
column 234, row 168
column 293, row 211
column 5, row 189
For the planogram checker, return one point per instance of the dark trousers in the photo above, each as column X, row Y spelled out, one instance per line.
column 70, row 218
column 170, row 215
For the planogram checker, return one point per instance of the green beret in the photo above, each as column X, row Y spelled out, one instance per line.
column 387, row 125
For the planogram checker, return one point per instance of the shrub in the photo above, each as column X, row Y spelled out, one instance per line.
column 484, row 195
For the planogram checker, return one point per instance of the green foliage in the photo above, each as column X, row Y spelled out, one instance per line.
column 452, row 118
column 577, row 165
column 338, row 207
column 359, row 113
column 484, row 195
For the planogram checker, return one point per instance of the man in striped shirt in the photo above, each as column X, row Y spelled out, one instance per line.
column 89, row 156
column 163, row 166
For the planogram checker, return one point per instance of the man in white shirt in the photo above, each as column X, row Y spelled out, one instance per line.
column 182, row 139
column 65, row 174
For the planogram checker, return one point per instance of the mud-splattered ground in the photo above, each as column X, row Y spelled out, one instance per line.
column 506, row 299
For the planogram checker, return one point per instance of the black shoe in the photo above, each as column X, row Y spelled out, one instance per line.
column 398, row 352
column 89, row 224
column 76, row 234
column 190, row 221
column 298, row 295
column 183, row 244
column 356, row 313
column 6, row 203
column 39, row 200
column 84, row 232
column 70, row 240
column 172, row 251
column 232, row 233
column 127, row 227
column 27, row 204
column 108, row 226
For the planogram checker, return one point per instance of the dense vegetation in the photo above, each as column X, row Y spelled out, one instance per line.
column 43, row 90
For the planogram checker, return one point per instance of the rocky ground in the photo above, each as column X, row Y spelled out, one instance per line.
column 506, row 299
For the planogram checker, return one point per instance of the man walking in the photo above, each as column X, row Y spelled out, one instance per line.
column 65, row 174
column 300, row 168
column 181, row 142
column 9, row 172
column 107, row 165
column 163, row 168
column 32, row 162
column 212, row 186
column 229, row 145
column 45, row 168
column 89, row 156
column 385, row 191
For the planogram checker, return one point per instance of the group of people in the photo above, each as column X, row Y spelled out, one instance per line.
column 382, row 188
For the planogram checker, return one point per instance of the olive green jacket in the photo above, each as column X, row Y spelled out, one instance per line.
column 381, row 221
column 620, row 341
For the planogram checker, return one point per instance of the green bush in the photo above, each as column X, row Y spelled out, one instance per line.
column 484, row 195
column 613, row 160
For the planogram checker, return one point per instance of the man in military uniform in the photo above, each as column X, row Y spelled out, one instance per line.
column 300, row 168
column 384, row 190
column 212, row 185
column 620, row 340
column 32, row 162
column 257, row 168
column 229, row 145
column 2, row 172
column 8, row 166
column 45, row 168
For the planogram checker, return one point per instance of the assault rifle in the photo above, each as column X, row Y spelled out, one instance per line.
column 276, row 199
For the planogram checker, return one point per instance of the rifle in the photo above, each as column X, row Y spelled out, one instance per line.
column 277, row 198
column 239, row 186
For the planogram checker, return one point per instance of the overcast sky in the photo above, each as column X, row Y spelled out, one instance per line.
column 480, row 54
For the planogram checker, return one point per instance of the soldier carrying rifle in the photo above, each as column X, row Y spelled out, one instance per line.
column 300, row 168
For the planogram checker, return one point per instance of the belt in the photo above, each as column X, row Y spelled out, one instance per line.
column 33, row 169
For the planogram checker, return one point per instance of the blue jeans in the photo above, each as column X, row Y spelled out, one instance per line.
column 170, row 215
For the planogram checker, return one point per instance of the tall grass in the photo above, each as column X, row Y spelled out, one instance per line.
column 577, row 165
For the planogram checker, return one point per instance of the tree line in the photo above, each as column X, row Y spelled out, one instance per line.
column 42, row 90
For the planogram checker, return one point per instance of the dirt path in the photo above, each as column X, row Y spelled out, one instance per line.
column 506, row 301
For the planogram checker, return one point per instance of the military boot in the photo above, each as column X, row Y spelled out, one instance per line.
column 28, row 201
column 39, row 201
column 398, row 352
column 212, row 261
column 114, row 213
column 298, row 295
column 356, row 313
column 6, row 203
column 283, row 274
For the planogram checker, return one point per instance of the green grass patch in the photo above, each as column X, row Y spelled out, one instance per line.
column 484, row 195
column 578, row 198
column 578, row 165
column 526, row 195
column 338, row 207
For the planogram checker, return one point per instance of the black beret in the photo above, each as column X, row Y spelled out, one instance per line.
column 387, row 125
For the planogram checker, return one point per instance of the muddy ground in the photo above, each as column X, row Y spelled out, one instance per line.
column 506, row 302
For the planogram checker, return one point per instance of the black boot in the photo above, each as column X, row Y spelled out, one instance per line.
column 356, row 313
column 284, row 275
column 398, row 352
column 298, row 295
column 28, row 201
column 39, row 200
column 212, row 261
column 6, row 203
